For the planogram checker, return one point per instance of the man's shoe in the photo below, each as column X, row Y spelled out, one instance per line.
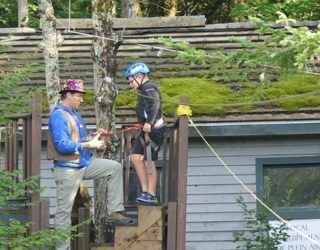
column 147, row 197
column 118, row 218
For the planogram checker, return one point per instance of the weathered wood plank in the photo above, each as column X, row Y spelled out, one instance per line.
column 137, row 23
column 148, row 217
column 146, row 245
column 154, row 233
column 17, row 30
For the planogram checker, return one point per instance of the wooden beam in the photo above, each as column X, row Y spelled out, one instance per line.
column 16, row 30
column 137, row 23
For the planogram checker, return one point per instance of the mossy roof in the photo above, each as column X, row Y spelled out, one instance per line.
column 212, row 101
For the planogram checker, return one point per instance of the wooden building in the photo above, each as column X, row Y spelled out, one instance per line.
column 276, row 143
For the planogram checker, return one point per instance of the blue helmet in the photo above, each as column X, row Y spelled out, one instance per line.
column 137, row 68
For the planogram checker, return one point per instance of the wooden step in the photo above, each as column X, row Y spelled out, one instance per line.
column 148, row 234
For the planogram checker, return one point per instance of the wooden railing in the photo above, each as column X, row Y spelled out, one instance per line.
column 22, row 136
column 172, row 170
column 177, row 184
column 23, row 133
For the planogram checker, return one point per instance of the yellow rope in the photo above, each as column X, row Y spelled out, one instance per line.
column 184, row 110
column 250, row 192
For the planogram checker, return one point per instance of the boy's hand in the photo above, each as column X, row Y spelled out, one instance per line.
column 147, row 127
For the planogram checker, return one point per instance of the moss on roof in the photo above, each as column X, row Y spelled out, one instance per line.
column 202, row 91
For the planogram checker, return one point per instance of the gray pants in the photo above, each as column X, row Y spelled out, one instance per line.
column 68, row 181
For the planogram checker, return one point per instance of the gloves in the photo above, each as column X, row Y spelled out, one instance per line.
column 95, row 143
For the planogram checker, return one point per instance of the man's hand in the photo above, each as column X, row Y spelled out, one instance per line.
column 147, row 127
column 95, row 143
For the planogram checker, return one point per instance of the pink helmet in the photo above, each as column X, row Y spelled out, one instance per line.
column 73, row 85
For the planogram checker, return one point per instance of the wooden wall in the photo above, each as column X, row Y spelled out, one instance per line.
column 212, row 211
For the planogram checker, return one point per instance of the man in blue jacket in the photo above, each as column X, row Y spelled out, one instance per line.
column 73, row 160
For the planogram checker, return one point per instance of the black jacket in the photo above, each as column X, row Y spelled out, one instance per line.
column 149, row 108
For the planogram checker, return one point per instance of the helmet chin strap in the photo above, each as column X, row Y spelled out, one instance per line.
column 141, row 82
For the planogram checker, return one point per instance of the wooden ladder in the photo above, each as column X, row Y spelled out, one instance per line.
column 147, row 234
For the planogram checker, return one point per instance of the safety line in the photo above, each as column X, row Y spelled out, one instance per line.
column 248, row 189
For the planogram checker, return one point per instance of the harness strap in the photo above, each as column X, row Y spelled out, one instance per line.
column 148, row 151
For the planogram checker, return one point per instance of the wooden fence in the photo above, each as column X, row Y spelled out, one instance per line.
column 22, row 151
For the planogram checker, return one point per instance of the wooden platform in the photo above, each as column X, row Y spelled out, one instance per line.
column 148, row 234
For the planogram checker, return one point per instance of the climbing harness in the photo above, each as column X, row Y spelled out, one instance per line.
column 148, row 154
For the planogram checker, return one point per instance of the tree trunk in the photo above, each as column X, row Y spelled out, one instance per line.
column 104, row 57
column 51, row 41
column 130, row 8
column 172, row 4
column 49, row 45
column 23, row 14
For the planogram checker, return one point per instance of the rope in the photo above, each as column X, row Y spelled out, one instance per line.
column 135, row 127
column 244, row 185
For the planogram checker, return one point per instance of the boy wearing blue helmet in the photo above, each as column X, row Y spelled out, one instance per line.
column 149, row 114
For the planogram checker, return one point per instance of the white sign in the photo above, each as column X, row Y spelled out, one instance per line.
column 296, row 241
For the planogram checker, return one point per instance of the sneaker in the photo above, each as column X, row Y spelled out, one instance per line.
column 118, row 217
column 147, row 197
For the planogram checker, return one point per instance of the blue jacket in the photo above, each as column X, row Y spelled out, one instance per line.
column 60, row 131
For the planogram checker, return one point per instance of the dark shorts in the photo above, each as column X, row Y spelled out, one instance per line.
column 156, row 135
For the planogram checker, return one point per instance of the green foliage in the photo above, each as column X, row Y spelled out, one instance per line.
column 7, row 8
column 294, row 186
column 285, row 49
column 172, row 89
column 266, row 9
column 286, row 86
column 259, row 233
column 189, row 55
column 14, row 98
column 13, row 233
column 194, row 88
column 9, row 11
column 127, row 98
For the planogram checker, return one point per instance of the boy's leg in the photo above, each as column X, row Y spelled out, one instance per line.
column 152, row 179
column 140, row 167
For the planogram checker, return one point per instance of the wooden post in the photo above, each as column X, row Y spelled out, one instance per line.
column 178, row 182
column 45, row 216
column 35, row 139
column 172, row 226
column 84, row 241
column 182, row 177
column 164, row 172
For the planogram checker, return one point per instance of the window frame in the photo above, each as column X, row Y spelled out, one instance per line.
column 286, row 213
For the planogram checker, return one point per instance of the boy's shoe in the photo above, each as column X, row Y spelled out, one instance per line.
column 147, row 197
column 118, row 217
